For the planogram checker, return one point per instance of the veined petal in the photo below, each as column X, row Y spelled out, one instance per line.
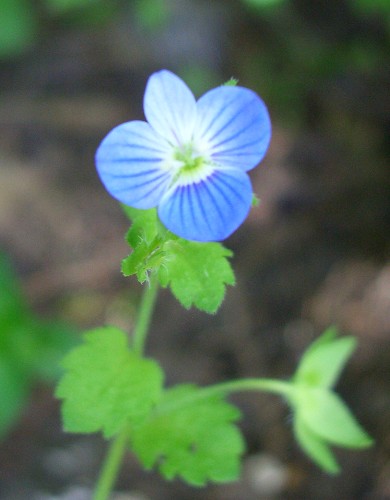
column 208, row 210
column 170, row 107
column 233, row 123
column 133, row 164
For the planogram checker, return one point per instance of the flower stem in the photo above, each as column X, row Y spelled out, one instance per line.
column 117, row 448
column 279, row 387
column 111, row 466
column 145, row 315
column 252, row 384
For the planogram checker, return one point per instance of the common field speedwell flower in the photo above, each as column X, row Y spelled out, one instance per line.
column 190, row 158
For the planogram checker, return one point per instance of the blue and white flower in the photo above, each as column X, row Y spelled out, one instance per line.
column 190, row 158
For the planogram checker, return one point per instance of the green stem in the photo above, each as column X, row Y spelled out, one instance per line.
column 145, row 315
column 252, row 384
column 111, row 466
column 279, row 387
column 117, row 448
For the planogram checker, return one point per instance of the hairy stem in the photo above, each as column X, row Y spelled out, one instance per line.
column 117, row 448
column 145, row 315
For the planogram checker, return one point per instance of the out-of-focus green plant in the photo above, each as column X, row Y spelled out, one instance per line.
column 18, row 26
column 370, row 8
column 301, row 53
column 82, row 12
column 21, row 21
column 30, row 348
column 152, row 14
column 264, row 3
column 371, row 5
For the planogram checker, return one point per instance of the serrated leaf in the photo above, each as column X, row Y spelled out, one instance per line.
column 315, row 447
column 327, row 416
column 107, row 386
column 191, row 437
column 323, row 361
column 145, row 225
column 140, row 262
column 146, row 237
column 197, row 273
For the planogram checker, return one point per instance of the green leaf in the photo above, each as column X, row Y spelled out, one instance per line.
column 323, row 361
column 191, row 436
column 255, row 200
column 107, row 386
column 143, row 260
column 145, row 225
column 232, row 82
column 197, row 273
column 146, row 237
column 326, row 415
column 315, row 447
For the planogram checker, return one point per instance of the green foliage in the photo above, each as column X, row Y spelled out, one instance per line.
column 82, row 13
column 191, row 432
column 14, row 390
column 233, row 82
column 255, row 200
column 184, row 431
column 18, row 26
column 146, row 237
column 325, row 414
column 106, row 385
column 197, row 273
column 191, row 437
column 30, row 349
column 324, row 359
column 261, row 4
column 21, row 20
column 320, row 416
column 371, row 6
column 66, row 5
column 379, row 9
column 152, row 14
column 315, row 447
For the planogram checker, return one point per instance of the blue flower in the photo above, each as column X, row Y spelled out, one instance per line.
column 190, row 158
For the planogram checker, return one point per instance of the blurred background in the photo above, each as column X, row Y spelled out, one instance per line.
column 314, row 253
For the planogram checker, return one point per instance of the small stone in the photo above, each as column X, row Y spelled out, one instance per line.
column 266, row 475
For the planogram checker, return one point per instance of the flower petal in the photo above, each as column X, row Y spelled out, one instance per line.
column 233, row 123
column 132, row 162
column 208, row 210
column 170, row 107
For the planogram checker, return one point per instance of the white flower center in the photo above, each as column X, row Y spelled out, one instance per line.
column 192, row 166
